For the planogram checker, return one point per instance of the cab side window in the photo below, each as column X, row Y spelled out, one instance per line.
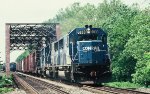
column 104, row 39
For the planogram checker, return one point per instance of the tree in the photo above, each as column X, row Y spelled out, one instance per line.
column 118, row 26
column 22, row 56
column 142, row 74
column 138, row 46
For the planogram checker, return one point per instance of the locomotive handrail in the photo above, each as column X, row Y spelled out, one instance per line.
column 75, row 57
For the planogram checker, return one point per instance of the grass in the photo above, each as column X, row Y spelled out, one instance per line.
column 5, row 84
column 122, row 84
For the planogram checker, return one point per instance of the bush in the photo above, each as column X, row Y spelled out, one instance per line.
column 6, row 81
column 5, row 90
column 142, row 74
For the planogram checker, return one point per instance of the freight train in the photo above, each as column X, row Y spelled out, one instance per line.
column 81, row 55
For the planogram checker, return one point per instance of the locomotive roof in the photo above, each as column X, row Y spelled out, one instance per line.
column 80, row 29
column 74, row 30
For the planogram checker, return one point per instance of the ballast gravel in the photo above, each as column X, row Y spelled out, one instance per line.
column 147, row 90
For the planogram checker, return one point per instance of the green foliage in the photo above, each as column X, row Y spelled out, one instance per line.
column 6, row 81
column 26, row 53
column 122, row 85
column 118, row 27
column 124, row 67
column 22, row 56
column 142, row 74
column 5, row 90
column 138, row 44
column 140, row 35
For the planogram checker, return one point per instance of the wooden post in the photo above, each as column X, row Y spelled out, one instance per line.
column 7, row 49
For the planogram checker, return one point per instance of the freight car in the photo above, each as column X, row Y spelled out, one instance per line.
column 81, row 55
column 28, row 64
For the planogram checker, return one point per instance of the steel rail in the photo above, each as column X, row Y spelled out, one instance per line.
column 25, row 85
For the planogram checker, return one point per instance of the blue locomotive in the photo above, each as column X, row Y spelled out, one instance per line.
column 81, row 55
column 12, row 66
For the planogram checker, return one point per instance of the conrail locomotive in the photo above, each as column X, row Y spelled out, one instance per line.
column 81, row 55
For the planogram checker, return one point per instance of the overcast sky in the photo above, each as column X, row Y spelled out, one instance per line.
column 37, row 11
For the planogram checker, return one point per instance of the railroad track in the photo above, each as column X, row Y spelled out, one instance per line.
column 24, row 85
column 43, row 87
column 104, row 89
column 36, row 86
column 111, row 90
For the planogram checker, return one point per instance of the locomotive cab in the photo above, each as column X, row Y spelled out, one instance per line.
column 92, row 49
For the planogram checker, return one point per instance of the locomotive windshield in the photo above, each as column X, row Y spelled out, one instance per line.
column 88, row 37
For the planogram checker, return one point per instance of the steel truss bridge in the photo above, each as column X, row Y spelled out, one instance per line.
column 21, row 36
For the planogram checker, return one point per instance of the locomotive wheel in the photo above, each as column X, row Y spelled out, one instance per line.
column 44, row 73
column 67, row 74
column 56, row 74
column 41, row 73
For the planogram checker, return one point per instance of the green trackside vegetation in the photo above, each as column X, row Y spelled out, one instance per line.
column 25, row 53
column 22, row 56
column 123, row 85
column 5, row 90
column 6, row 84
column 128, row 31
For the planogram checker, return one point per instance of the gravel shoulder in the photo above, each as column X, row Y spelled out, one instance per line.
column 147, row 90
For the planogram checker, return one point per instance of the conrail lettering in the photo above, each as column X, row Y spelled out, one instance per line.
column 91, row 48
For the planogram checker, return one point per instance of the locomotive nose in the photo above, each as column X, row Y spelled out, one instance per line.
column 90, row 52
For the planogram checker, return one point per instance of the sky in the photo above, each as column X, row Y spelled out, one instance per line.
column 37, row 11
